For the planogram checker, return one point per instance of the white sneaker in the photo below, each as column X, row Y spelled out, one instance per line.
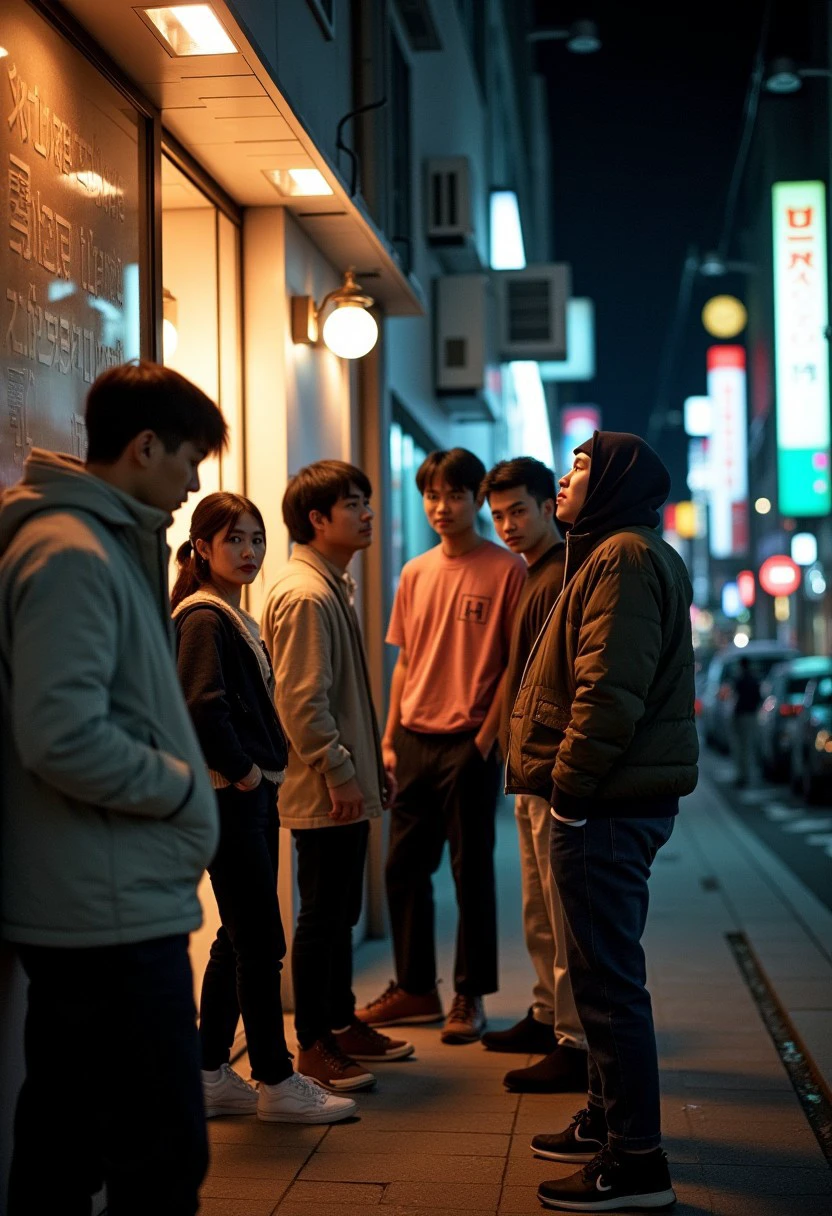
column 301, row 1100
column 230, row 1095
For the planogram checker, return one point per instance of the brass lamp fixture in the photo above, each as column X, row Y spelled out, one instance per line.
column 349, row 329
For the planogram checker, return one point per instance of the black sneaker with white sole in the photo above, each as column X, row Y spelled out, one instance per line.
column 585, row 1136
column 613, row 1182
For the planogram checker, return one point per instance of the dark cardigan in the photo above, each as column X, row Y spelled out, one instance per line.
column 234, row 716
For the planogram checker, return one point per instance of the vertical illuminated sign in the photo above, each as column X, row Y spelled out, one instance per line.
column 801, row 314
column 728, row 451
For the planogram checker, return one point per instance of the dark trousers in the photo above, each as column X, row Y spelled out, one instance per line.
column 331, row 887
column 601, row 871
column 133, row 1118
column 243, row 972
column 447, row 792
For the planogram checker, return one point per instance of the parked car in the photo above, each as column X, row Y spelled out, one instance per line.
column 718, row 690
column 812, row 749
column 782, row 692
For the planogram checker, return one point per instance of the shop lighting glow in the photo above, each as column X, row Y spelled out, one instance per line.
column 801, row 315
column 302, row 183
column 804, row 548
column 699, row 417
column 507, row 248
column 579, row 363
column 532, row 421
column 191, row 29
column 762, row 506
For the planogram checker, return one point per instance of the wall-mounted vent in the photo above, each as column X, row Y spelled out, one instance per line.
column 417, row 22
column 461, row 333
column 449, row 211
column 531, row 311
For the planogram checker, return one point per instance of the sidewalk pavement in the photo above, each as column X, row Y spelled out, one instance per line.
column 440, row 1136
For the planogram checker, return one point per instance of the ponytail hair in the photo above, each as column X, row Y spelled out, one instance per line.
column 214, row 514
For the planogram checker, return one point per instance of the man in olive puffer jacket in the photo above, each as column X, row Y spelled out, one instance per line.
column 603, row 726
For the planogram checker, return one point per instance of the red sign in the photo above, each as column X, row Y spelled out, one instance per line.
column 779, row 575
column 747, row 587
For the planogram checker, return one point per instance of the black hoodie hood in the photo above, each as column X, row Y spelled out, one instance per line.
column 628, row 483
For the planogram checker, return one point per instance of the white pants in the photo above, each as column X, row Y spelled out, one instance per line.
column 543, row 924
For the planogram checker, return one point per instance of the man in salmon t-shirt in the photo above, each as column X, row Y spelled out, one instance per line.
column 452, row 621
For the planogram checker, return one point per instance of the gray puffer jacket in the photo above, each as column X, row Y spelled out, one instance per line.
column 107, row 816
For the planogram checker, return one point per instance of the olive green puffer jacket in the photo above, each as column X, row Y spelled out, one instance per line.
column 604, row 718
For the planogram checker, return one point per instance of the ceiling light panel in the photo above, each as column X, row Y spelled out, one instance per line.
column 190, row 29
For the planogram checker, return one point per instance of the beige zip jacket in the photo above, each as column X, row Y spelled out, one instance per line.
column 322, row 691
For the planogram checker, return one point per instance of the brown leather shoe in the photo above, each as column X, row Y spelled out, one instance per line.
column 326, row 1063
column 361, row 1042
column 466, row 1021
column 396, row 1007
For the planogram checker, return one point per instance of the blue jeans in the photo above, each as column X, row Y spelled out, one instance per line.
column 243, row 972
column 133, row 1117
column 601, row 871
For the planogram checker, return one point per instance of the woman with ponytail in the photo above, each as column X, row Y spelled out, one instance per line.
column 227, row 678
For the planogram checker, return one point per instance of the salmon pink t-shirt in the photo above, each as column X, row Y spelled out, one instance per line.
column 453, row 617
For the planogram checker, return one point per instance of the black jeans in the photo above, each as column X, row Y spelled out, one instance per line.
column 134, row 1118
column 243, row 972
column 331, row 887
column 601, row 871
column 446, row 792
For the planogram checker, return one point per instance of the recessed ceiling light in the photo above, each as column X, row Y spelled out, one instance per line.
column 191, row 29
column 298, row 182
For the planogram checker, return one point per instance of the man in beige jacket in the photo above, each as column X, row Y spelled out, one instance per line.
column 336, row 781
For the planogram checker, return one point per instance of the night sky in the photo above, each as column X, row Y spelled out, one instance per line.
column 644, row 138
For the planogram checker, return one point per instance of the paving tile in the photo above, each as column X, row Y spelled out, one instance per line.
column 470, row 1197
column 287, row 1208
column 256, row 1161
column 520, row 1201
column 236, row 1207
column 805, row 994
column 270, row 1135
column 531, row 1171
column 335, row 1193
column 430, row 1143
column 769, row 1180
column 404, row 1167
column 731, row 1204
column 439, row 1120
column 244, row 1188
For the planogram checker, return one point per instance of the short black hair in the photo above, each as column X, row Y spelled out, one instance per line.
column 317, row 487
column 461, row 469
column 535, row 476
column 143, row 396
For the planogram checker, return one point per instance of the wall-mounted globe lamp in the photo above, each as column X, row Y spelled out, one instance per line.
column 349, row 329
column 784, row 76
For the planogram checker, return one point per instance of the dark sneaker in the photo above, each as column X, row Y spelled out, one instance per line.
column 585, row 1136
column 611, row 1183
column 325, row 1063
column 396, row 1007
column 466, row 1021
column 361, row 1042
column 563, row 1071
column 528, row 1037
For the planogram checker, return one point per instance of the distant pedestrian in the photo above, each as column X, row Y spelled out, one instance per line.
column 603, row 727
column 229, row 686
column 335, row 782
column 521, row 495
column 744, row 722
column 451, row 621
column 107, row 818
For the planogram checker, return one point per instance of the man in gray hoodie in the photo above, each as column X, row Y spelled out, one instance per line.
column 107, row 816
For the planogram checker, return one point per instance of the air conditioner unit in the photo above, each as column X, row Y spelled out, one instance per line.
column 450, row 218
column 462, row 344
column 531, row 311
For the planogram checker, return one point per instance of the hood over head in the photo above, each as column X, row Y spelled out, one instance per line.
column 53, row 481
column 628, row 483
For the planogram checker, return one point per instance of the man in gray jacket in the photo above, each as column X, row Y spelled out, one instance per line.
column 107, row 816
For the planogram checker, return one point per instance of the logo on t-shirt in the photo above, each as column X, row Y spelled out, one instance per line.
column 474, row 608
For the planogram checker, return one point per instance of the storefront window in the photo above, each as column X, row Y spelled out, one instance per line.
column 70, row 158
column 201, row 308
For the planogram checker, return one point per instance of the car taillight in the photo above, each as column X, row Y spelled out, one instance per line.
column 725, row 692
column 790, row 711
